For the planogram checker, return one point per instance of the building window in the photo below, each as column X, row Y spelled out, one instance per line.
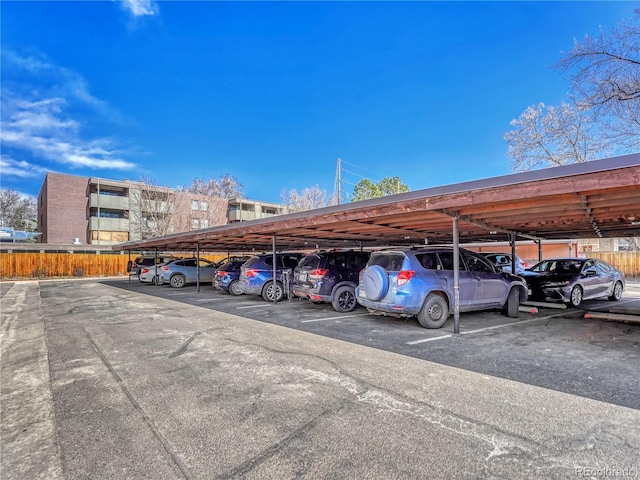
column 204, row 206
column 195, row 224
column 194, row 205
column 204, row 223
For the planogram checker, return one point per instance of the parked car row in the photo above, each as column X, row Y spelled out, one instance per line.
column 403, row 282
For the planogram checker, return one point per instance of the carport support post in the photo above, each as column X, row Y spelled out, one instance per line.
column 198, row 267
column 512, row 241
column 155, row 265
column 539, row 242
column 275, row 267
column 456, row 276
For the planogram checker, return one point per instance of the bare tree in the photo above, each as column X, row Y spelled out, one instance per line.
column 16, row 210
column 603, row 117
column 151, row 209
column 553, row 136
column 226, row 186
column 605, row 77
column 308, row 199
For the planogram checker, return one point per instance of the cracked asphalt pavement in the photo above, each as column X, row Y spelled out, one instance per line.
column 100, row 382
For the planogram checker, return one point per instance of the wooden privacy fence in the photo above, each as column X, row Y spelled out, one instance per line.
column 627, row 262
column 46, row 264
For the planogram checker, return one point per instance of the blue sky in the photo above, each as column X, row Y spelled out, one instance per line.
column 273, row 93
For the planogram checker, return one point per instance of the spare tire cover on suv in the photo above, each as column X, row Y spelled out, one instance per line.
column 375, row 282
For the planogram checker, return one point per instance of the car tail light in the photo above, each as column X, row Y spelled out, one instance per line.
column 165, row 269
column 145, row 270
column 318, row 274
column 404, row 276
column 221, row 274
column 252, row 272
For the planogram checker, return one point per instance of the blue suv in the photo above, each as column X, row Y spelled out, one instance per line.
column 256, row 274
column 419, row 283
column 330, row 276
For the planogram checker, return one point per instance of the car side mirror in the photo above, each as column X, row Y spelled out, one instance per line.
column 591, row 272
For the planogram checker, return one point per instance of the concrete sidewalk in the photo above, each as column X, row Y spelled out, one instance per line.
column 98, row 382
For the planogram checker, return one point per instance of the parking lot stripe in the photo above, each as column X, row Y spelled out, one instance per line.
column 265, row 304
column 334, row 318
column 207, row 300
column 416, row 342
column 521, row 322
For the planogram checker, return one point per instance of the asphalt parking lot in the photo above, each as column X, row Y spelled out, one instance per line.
column 553, row 348
column 116, row 379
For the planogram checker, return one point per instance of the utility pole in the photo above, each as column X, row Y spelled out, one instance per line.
column 338, row 181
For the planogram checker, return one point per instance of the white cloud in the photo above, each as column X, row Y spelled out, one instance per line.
column 36, row 120
column 19, row 168
column 140, row 8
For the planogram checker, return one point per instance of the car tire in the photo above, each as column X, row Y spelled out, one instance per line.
column 375, row 282
column 575, row 297
column 434, row 313
column 234, row 288
column 177, row 281
column 344, row 299
column 268, row 292
column 513, row 304
column 617, row 292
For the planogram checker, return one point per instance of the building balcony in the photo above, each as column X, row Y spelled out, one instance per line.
column 111, row 202
column 241, row 216
column 109, row 224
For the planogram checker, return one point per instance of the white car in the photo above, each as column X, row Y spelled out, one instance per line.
column 151, row 274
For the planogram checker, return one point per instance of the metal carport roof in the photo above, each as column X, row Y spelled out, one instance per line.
column 600, row 198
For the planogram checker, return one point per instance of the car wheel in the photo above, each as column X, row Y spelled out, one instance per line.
column 234, row 288
column 617, row 292
column 375, row 282
column 177, row 281
column 269, row 291
column 434, row 312
column 344, row 299
column 513, row 303
column 575, row 299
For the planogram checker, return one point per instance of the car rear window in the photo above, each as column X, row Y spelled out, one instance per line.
column 251, row 261
column 310, row 261
column 392, row 262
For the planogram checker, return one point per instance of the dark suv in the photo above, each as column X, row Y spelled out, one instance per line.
column 134, row 266
column 330, row 276
column 228, row 275
column 256, row 274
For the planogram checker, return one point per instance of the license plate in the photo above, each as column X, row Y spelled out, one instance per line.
column 302, row 277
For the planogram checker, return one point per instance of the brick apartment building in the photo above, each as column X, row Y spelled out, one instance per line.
column 97, row 211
